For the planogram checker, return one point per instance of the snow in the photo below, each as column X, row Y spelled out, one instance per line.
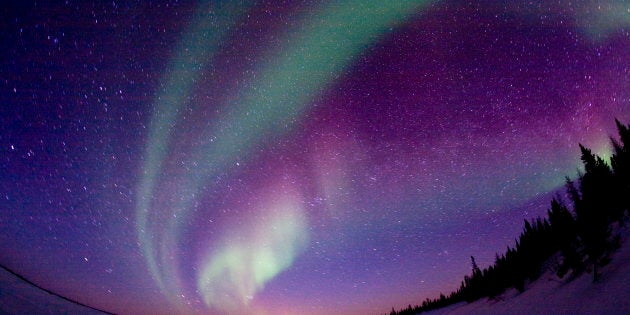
column 551, row 295
column 19, row 297
column 547, row 295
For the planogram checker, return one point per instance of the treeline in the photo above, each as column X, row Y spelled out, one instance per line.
column 581, row 236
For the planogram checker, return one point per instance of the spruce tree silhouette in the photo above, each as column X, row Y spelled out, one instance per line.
column 600, row 197
column 564, row 236
column 594, row 209
column 620, row 162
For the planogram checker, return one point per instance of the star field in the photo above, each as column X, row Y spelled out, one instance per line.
column 311, row 157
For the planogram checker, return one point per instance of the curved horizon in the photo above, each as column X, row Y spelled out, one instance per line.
column 337, row 157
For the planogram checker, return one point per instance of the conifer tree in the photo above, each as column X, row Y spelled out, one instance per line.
column 620, row 162
column 564, row 234
column 594, row 212
column 600, row 196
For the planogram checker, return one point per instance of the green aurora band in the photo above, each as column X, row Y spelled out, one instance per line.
column 599, row 19
column 231, row 276
column 326, row 43
column 195, row 51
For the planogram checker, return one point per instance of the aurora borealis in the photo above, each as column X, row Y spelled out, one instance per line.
column 307, row 157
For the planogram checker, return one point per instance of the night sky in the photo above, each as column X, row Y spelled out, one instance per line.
column 303, row 157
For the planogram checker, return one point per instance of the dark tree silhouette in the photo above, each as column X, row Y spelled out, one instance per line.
column 565, row 237
column 620, row 162
column 593, row 208
column 600, row 196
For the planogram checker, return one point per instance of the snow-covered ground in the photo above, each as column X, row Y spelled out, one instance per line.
column 20, row 297
column 550, row 295
column 547, row 295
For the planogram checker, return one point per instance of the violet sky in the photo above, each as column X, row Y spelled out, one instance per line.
column 291, row 157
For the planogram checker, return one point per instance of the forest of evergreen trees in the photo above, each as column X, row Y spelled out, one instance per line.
column 582, row 237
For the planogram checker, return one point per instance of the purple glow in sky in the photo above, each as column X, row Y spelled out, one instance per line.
column 311, row 157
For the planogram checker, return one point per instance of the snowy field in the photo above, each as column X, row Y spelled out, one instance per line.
column 19, row 297
column 550, row 295
column 547, row 295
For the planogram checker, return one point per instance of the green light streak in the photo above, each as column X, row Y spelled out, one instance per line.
column 315, row 54
column 599, row 19
column 210, row 25
column 233, row 275
column 326, row 44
